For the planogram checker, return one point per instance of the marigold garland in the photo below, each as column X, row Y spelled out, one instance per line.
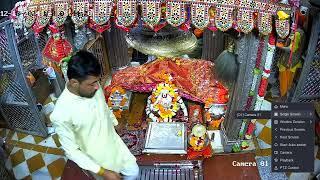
column 263, row 84
column 166, row 114
column 122, row 92
column 216, row 122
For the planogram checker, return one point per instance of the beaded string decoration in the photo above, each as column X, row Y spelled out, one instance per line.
column 200, row 15
column 257, row 72
column 263, row 84
column 61, row 12
column 176, row 13
column 245, row 16
column 126, row 12
column 266, row 72
column 80, row 12
column 30, row 16
column 294, row 29
column 224, row 14
column 101, row 14
column 151, row 12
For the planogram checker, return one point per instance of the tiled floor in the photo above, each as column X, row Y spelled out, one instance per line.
column 263, row 133
column 265, row 170
column 263, row 137
column 32, row 157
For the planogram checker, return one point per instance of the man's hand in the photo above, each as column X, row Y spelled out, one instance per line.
column 110, row 175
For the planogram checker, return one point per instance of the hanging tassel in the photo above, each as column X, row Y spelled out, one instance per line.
column 226, row 65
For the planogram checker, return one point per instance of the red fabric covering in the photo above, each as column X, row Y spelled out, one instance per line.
column 55, row 50
column 206, row 153
column 193, row 78
column 57, row 47
column 37, row 28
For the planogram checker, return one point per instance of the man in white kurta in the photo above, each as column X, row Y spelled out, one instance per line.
column 86, row 131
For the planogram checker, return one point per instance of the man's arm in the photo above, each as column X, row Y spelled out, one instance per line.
column 64, row 129
column 109, row 112
column 113, row 117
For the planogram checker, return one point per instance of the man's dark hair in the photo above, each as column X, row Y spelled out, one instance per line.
column 83, row 64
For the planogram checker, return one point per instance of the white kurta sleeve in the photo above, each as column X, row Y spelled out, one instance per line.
column 64, row 129
column 112, row 117
column 109, row 112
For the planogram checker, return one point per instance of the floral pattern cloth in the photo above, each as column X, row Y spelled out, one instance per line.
column 194, row 79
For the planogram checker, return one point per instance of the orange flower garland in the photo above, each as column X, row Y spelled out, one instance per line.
column 216, row 122
column 165, row 113
column 208, row 102
column 123, row 101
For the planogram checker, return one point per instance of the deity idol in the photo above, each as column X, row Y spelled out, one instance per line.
column 165, row 101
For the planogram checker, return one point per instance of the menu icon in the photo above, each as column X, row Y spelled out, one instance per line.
column 292, row 137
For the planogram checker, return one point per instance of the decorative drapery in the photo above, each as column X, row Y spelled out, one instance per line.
column 199, row 15
column 151, row 12
column 101, row 11
column 244, row 15
column 245, row 20
column 224, row 14
column 60, row 12
column 126, row 12
column 193, row 79
column 30, row 15
column 282, row 28
column 80, row 12
column 176, row 13
column 45, row 13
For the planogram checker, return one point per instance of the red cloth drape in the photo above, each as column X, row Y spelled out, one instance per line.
column 193, row 78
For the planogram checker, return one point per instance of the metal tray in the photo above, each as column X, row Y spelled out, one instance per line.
column 166, row 138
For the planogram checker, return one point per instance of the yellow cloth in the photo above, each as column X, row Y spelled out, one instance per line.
column 86, row 131
column 297, row 42
column 286, row 76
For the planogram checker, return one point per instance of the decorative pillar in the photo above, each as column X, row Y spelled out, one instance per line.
column 246, row 50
